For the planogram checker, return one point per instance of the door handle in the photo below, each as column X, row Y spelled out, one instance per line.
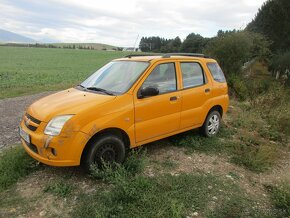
column 207, row 90
column 173, row 98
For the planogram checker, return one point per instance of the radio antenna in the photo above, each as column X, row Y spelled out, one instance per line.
column 136, row 42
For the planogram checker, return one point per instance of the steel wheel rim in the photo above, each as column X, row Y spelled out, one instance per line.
column 107, row 153
column 213, row 125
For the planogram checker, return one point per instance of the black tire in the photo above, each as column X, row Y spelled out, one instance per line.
column 213, row 119
column 106, row 148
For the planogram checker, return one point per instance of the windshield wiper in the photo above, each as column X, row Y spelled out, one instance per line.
column 80, row 85
column 99, row 90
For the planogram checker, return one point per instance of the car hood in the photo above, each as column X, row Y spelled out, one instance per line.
column 71, row 101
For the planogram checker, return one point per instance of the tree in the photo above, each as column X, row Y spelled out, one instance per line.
column 157, row 44
column 171, row 45
column 273, row 21
column 193, row 43
column 280, row 66
column 233, row 49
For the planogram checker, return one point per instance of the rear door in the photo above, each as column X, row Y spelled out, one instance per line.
column 196, row 92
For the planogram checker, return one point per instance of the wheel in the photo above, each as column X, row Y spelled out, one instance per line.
column 104, row 149
column 212, row 124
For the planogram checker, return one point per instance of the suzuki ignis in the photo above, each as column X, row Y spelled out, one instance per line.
column 125, row 104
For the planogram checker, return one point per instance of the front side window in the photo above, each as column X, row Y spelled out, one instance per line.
column 192, row 75
column 116, row 77
column 216, row 72
column 162, row 77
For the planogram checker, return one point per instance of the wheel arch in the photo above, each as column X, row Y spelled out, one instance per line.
column 218, row 108
column 113, row 131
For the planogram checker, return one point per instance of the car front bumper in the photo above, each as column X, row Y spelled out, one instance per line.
column 62, row 150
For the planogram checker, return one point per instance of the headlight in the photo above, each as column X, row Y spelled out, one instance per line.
column 55, row 125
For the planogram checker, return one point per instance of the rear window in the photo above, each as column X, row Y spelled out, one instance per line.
column 192, row 75
column 216, row 72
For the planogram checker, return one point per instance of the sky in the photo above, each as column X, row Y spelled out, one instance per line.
column 119, row 22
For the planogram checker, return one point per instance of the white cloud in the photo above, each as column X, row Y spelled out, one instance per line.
column 119, row 22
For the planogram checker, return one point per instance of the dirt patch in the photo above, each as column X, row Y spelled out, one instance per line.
column 12, row 110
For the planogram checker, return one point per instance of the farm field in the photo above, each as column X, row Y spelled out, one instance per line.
column 26, row 71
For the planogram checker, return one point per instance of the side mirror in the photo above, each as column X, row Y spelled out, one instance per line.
column 148, row 92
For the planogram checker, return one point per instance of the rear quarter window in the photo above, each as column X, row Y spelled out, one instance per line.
column 216, row 72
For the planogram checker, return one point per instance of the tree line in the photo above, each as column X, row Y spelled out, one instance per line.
column 230, row 48
column 273, row 22
column 193, row 43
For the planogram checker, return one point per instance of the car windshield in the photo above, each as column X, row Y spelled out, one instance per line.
column 116, row 77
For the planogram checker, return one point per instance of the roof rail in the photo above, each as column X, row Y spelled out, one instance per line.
column 140, row 55
column 185, row 54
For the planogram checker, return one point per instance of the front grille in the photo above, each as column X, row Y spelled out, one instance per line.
column 31, row 122
column 34, row 120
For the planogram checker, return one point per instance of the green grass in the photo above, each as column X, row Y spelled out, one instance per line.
column 169, row 164
column 31, row 70
column 127, row 192
column 59, row 188
column 12, row 204
column 167, row 196
column 14, row 164
column 280, row 196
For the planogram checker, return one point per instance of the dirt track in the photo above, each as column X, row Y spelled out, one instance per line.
column 11, row 111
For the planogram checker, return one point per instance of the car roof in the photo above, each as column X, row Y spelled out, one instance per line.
column 175, row 56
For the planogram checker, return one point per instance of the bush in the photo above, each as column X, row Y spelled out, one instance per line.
column 256, row 157
column 238, row 87
column 115, row 173
column 274, row 107
column 233, row 49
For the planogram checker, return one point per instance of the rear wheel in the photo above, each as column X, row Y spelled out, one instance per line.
column 212, row 124
column 106, row 149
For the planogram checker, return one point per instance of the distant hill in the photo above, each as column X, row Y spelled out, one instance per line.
column 13, row 39
column 7, row 36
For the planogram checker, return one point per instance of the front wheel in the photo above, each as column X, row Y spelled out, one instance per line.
column 106, row 149
column 212, row 124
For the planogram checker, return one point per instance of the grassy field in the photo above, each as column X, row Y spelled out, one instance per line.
column 25, row 71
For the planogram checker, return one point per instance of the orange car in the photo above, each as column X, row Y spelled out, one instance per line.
column 127, row 103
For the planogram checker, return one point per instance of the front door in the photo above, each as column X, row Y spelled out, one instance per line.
column 158, row 115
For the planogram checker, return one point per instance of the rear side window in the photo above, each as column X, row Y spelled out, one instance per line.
column 216, row 72
column 192, row 75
